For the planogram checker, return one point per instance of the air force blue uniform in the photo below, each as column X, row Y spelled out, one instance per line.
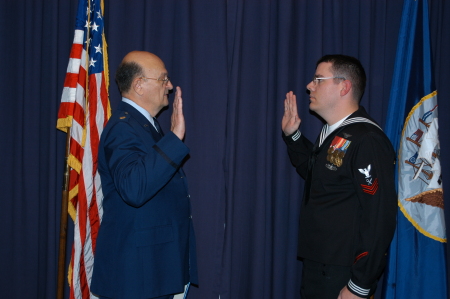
column 146, row 245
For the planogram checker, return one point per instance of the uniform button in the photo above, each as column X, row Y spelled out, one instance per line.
column 189, row 196
column 190, row 217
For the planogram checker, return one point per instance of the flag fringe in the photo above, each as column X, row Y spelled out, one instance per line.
column 427, row 97
column 417, row 226
column 402, row 208
column 64, row 123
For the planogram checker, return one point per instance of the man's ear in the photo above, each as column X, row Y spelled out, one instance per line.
column 346, row 86
column 136, row 85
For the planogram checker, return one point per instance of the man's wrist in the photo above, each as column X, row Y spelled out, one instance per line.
column 357, row 290
column 294, row 136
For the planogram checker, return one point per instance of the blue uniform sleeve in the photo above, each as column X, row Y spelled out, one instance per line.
column 140, row 168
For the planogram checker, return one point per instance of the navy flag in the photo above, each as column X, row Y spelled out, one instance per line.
column 416, row 265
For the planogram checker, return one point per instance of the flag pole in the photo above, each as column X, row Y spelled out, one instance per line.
column 63, row 222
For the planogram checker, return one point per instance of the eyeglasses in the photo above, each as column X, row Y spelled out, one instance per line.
column 165, row 80
column 317, row 80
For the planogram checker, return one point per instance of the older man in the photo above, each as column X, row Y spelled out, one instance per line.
column 146, row 245
column 348, row 212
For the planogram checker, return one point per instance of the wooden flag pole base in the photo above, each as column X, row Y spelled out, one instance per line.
column 63, row 223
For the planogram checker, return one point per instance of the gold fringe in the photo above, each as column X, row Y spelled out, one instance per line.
column 105, row 63
column 417, row 226
column 64, row 123
column 413, row 222
column 410, row 114
column 71, row 209
column 73, row 162
column 69, row 273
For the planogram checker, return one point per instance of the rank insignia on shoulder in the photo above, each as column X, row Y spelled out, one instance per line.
column 336, row 152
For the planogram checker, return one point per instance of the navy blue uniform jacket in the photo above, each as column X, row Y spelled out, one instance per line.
column 349, row 207
column 146, row 245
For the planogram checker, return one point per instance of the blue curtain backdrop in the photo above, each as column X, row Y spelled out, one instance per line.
column 235, row 60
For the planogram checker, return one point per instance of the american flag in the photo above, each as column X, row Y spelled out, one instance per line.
column 83, row 114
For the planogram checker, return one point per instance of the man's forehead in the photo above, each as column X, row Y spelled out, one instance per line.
column 161, row 73
column 324, row 68
column 156, row 70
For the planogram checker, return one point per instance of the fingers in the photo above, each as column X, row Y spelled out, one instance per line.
column 178, row 102
column 178, row 125
column 290, row 122
column 290, row 104
column 293, row 102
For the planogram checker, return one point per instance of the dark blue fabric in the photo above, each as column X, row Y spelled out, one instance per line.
column 235, row 60
column 143, row 243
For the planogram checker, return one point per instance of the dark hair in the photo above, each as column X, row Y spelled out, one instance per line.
column 351, row 69
column 126, row 73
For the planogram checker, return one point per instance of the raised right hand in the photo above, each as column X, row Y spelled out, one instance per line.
column 178, row 126
column 290, row 122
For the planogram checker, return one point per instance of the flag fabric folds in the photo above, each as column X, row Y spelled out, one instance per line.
column 416, row 261
column 83, row 113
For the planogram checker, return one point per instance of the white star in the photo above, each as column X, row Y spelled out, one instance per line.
column 98, row 49
column 92, row 62
column 94, row 27
column 87, row 24
column 99, row 14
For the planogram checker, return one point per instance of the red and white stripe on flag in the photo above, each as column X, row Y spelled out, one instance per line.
column 83, row 113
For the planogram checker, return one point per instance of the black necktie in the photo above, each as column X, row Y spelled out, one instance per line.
column 158, row 127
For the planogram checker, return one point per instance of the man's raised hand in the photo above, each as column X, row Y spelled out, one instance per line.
column 178, row 126
column 290, row 122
